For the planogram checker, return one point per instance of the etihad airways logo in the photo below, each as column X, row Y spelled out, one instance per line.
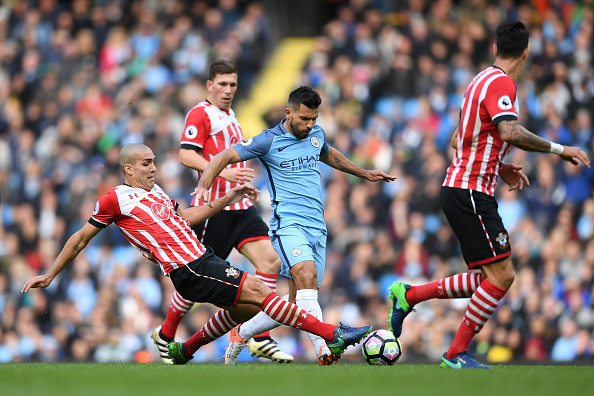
column 309, row 161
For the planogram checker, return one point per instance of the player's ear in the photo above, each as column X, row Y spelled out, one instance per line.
column 495, row 50
column 287, row 112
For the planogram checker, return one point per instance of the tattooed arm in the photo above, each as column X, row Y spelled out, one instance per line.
column 337, row 160
column 516, row 135
column 75, row 244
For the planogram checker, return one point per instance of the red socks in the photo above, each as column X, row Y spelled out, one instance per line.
column 177, row 310
column 480, row 308
column 221, row 323
column 291, row 315
column 456, row 286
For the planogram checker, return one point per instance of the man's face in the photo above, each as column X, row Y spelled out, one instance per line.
column 222, row 89
column 301, row 121
column 142, row 171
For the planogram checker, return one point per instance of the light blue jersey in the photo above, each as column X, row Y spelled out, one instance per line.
column 292, row 170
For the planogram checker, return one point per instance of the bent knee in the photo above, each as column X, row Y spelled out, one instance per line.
column 305, row 279
column 255, row 287
column 269, row 264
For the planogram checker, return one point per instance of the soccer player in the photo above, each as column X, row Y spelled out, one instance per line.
column 210, row 128
column 488, row 128
column 160, row 230
column 290, row 156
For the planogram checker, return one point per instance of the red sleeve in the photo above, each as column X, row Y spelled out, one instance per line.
column 197, row 129
column 500, row 100
column 106, row 211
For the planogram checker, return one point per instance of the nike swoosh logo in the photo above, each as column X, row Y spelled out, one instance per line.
column 284, row 147
column 398, row 305
column 339, row 343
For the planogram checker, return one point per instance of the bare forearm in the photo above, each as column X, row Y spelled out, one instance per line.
column 192, row 159
column 215, row 167
column 198, row 214
column 338, row 161
column 518, row 136
column 71, row 250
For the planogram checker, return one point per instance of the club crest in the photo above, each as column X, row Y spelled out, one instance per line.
column 315, row 142
column 232, row 272
column 503, row 240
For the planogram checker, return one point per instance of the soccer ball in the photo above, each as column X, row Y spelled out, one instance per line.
column 381, row 348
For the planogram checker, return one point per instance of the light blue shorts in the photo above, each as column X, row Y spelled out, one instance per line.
column 295, row 244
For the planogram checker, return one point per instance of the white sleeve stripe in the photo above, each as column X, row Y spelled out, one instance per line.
column 505, row 113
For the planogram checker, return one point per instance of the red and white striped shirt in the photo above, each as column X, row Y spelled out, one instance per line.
column 149, row 221
column 211, row 130
column 489, row 99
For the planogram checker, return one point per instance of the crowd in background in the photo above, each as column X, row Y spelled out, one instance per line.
column 80, row 79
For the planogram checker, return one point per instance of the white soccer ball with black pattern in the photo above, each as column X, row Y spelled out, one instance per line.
column 381, row 348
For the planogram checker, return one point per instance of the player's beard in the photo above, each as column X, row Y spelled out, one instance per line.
column 297, row 133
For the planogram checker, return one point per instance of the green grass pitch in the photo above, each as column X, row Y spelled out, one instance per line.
column 88, row 379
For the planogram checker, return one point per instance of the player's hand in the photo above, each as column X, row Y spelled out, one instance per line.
column 378, row 175
column 38, row 281
column 203, row 194
column 238, row 175
column 514, row 177
column 238, row 193
column 570, row 153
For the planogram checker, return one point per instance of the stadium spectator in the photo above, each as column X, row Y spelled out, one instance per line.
column 79, row 176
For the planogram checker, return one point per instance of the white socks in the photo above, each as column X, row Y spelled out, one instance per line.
column 307, row 300
column 259, row 324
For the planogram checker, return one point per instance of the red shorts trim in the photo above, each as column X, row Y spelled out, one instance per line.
column 490, row 260
column 258, row 238
column 239, row 289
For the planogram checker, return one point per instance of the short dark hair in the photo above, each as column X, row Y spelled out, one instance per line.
column 221, row 66
column 512, row 39
column 306, row 96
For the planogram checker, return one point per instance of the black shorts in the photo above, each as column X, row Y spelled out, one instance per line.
column 209, row 279
column 230, row 229
column 474, row 218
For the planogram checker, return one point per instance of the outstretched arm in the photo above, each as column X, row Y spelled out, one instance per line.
column 198, row 214
column 337, row 160
column 516, row 135
column 193, row 159
column 214, row 168
column 75, row 244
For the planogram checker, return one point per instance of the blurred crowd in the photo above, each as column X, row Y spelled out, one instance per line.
column 80, row 79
